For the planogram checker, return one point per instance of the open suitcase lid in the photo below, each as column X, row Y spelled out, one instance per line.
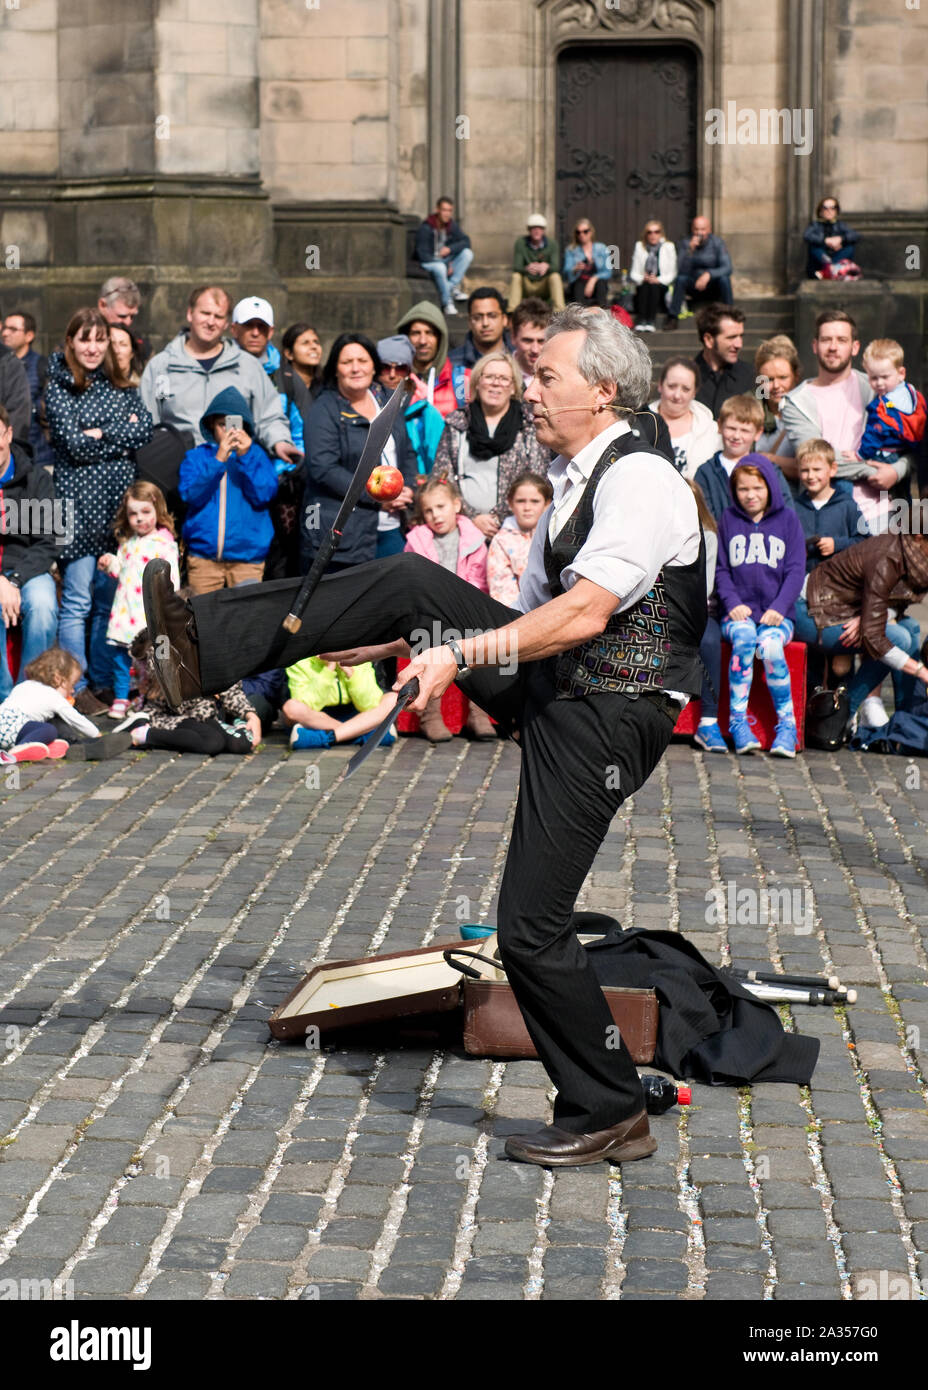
column 343, row 993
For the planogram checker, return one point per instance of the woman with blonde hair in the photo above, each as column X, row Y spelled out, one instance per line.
column 490, row 442
column 653, row 271
column 778, row 370
column 587, row 271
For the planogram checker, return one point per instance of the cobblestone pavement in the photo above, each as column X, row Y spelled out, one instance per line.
column 155, row 1144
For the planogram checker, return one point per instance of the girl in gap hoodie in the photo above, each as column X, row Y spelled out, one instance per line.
column 760, row 573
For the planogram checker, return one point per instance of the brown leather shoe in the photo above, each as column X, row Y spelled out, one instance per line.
column 431, row 724
column 87, row 704
column 173, row 634
column 556, row 1148
column 478, row 725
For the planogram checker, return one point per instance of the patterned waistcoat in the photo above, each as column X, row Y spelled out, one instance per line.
column 648, row 648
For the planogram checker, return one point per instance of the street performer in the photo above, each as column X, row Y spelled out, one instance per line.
column 591, row 670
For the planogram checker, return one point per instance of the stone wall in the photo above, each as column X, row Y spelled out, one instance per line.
column 329, row 99
column 877, row 106
column 206, row 66
column 29, row 89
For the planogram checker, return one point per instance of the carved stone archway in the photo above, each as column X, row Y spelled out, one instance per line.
column 560, row 23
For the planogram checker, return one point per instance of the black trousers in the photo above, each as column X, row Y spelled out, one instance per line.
column 580, row 760
column 575, row 293
column 650, row 300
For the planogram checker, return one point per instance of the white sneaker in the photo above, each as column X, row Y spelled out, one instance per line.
column 461, row 296
column 450, row 311
column 872, row 713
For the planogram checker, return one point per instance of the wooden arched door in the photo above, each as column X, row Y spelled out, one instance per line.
column 626, row 140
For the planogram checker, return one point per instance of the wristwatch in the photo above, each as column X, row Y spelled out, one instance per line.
column 458, row 655
column 13, row 578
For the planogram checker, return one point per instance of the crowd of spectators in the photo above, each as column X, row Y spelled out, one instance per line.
column 230, row 455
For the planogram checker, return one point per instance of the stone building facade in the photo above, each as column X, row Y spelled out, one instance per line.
column 287, row 147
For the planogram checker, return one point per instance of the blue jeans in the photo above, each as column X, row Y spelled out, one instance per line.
column 747, row 638
column 870, row 673
column 822, row 255
column 716, row 290
column 77, row 587
column 100, row 669
column 448, row 273
column 390, row 542
column 121, row 663
column 904, row 633
column 39, row 622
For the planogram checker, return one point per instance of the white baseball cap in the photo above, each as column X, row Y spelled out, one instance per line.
column 536, row 220
column 253, row 308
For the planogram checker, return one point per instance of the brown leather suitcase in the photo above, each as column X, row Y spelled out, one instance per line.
column 342, row 993
column 345, row 993
column 493, row 1025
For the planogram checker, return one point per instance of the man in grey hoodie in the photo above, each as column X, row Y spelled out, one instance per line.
column 179, row 382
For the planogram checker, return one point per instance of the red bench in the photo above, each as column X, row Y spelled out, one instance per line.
column 761, row 715
column 455, row 708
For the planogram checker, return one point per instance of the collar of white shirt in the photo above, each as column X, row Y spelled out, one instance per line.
column 569, row 477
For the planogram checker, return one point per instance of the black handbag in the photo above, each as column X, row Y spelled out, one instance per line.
column 160, row 459
column 159, row 462
column 828, row 714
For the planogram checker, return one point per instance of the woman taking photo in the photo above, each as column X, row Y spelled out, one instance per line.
column 653, row 271
column 777, row 370
column 693, row 432
column 94, row 425
column 490, row 442
column 586, row 267
column 336, row 432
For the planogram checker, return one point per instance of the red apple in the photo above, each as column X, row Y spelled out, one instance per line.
column 385, row 482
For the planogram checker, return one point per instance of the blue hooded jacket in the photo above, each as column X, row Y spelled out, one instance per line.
column 271, row 364
column 228, row 515
column 839, row 518
column 761, row 563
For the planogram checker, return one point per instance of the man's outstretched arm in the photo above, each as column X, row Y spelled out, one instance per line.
column 564, row 622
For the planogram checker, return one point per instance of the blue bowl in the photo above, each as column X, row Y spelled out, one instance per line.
column 472, row 931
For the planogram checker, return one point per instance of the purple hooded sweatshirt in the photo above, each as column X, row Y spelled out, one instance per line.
column 761, row 563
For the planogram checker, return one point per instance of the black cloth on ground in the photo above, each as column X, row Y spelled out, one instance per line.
column 709, row 1027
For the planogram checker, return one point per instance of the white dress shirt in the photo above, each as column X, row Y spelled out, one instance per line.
column 644, row 518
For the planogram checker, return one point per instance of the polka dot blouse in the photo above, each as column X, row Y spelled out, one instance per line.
column 92, row 474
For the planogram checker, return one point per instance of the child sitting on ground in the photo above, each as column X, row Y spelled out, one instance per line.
column 831, row 521
column 741, row 424
column 894, row 427
column 210, row 724
column 145, row 529
column 320, row 694
column 507, row 556
column 454, row 542
column 761, row 569
column 38, row 719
